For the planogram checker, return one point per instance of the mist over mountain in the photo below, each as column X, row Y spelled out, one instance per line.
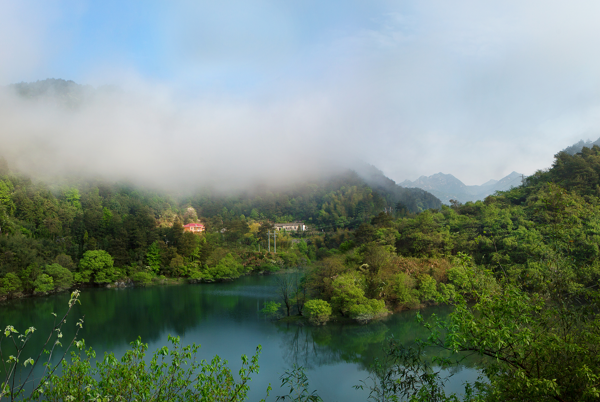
column 150, row 136
column 447, row 187
column 414, row 199
column 577, row 147
column 101, row 134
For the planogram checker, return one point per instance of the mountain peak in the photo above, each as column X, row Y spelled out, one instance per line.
column 447, row 187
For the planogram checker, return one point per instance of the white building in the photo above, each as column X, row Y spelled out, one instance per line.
column 290, row 227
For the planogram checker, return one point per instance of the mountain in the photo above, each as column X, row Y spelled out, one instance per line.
column 59, row 91
column 447, row 187
column 413, row 199
column 576, row 148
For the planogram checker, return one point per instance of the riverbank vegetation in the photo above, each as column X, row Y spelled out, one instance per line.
column 84, row 232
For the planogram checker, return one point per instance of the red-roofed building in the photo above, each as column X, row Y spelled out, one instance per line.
column 193, row 227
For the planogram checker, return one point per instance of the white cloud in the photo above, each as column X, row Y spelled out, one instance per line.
column 476, row 89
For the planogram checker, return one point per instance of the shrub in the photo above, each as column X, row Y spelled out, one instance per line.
column 62, row 277
column 427, row 288
column 97, row 266
column 347, row 291
column 404, row 290
column 227, row 268
column 271, row 309
column 269, row 266
column 318, row 311
column 43, row 284
column 176, row 266
column 369, row 309
column 11, row 283
column 142, row 278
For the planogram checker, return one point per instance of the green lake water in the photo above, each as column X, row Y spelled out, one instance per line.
column 224, row 318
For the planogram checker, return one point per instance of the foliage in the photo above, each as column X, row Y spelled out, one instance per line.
column 227, row 268
column 542, row 345
column 404, row 290
column 43, row 284
column 367, row 310
column 271, row 309
column 318, row 311
column 172, row 374
column 61, row 277
column 406, row 374
column 16, row 363
column 153, row 257
column 349, row 299
column 97, row 266
column 142, row 278
column 11, row 283
column 297, row 381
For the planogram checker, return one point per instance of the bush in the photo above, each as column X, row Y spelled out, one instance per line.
column 62, row 277
column 43, row 284
column 347, row 292
column 428, row 288
column 11, row 283
column 142, row 278
column 97, row 266
column 369, row 309
column 227, row 268
column 268, row 266
column 318, row 311
column 289, row 259
column 271, row 309
column 404, row 290
column 176, row 266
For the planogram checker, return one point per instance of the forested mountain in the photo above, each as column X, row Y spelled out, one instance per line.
column 447, row 187
column 341, row 201
column 576, row 148
column 42, row 224
column 412, row 199
column 58, row 91
column 521, row 270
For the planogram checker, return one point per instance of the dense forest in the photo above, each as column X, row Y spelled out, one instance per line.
column 98, row 232
column 520, row 268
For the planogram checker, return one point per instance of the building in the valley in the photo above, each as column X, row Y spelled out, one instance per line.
column 290, row 227
column 194, row 227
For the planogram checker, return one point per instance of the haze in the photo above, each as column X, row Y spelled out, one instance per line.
column 237, row 92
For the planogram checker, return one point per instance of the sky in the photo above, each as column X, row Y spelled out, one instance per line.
column 273, row 88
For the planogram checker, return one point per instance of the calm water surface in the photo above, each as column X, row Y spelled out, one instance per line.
column 224, row 319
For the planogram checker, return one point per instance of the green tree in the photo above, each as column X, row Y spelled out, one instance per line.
column 73, row 197
column 43, row 284
column 227, row 268
column 153, row 257
column 61, row 277
column 97, row 266
column 318, row 311
column 6, row 201
column 11, row 283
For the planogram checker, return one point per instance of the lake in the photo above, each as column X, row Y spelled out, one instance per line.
column 224, row 318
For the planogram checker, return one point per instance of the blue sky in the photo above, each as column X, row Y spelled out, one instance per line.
column 476, row 89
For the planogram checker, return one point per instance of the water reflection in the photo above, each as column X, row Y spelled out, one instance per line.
column 224, row 318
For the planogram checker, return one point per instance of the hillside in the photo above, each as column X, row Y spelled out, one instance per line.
column 447, row 187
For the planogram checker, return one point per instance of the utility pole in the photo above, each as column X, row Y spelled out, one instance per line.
column 275, row 240
column 269, row 240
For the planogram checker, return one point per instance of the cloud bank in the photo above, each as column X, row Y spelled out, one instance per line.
column 237, row 92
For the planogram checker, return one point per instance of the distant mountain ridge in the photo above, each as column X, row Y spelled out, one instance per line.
column 446, row 187
column 576, row 148
column 414, row 199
